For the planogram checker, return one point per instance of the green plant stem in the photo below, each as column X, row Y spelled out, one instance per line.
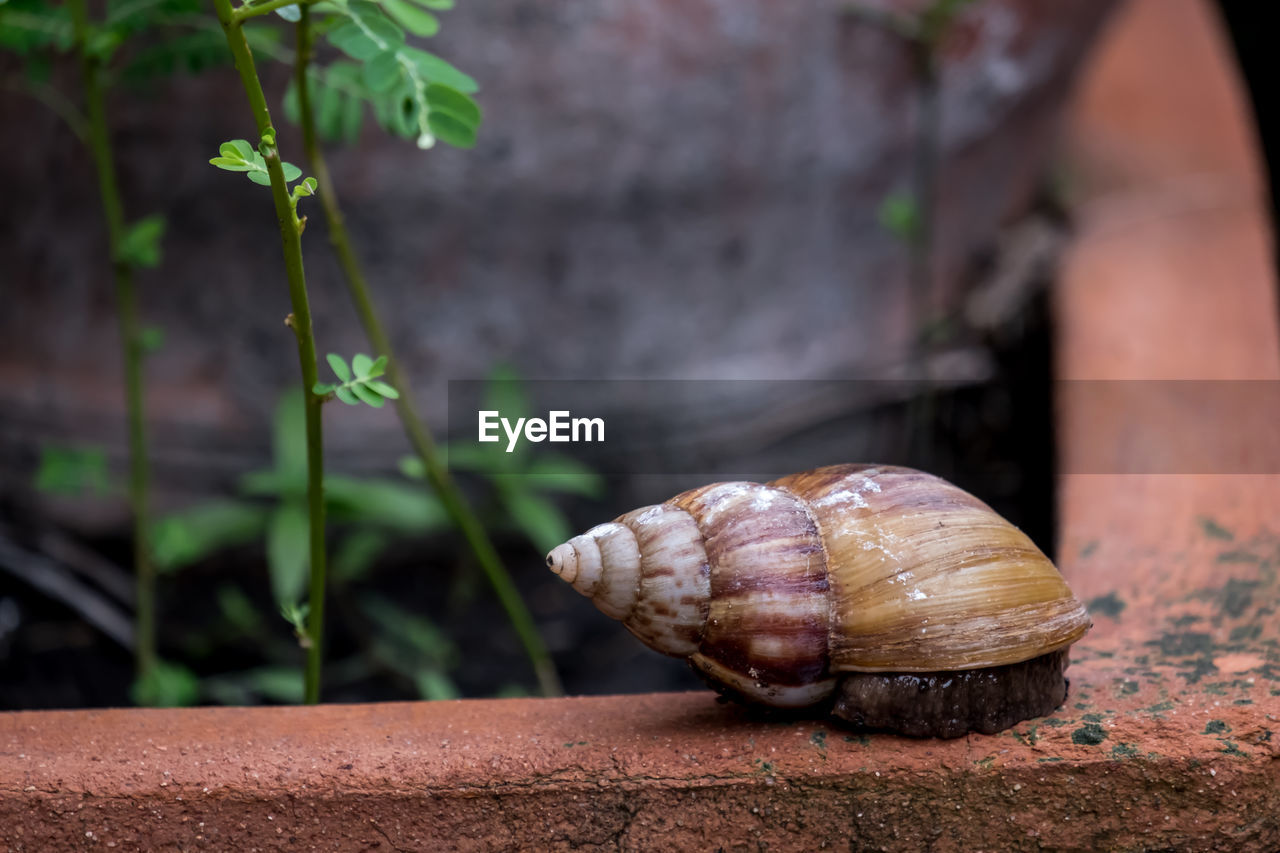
column 300, row 322
column 455, row 504
column 99, row 140
column 244, row 13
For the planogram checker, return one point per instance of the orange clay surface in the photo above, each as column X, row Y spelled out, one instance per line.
column 1170, row 737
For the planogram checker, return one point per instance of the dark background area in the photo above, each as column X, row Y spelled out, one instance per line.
column 1248, row 24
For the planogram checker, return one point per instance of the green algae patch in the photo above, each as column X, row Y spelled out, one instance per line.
column 1090, row 734
column 1109, row 605
column 1124, row 750
column 1214, row 530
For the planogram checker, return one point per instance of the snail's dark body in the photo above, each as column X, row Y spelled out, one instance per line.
column 886, row 596
column 954, row 703
column 945, row 704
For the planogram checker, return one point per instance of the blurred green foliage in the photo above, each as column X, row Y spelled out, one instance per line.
column 369, row 515
column 72, row 471
column 412, row 93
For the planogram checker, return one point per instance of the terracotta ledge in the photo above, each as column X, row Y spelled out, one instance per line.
column 1170, row 737
column 647, row 772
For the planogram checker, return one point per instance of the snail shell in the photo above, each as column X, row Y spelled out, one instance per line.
column 898, row 599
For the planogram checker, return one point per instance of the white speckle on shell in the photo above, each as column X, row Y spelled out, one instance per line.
column 853, row 497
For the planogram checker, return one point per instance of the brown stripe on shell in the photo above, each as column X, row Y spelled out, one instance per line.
column 619, row 585
column 671, row 607
column 927, row 577
column 768, row 619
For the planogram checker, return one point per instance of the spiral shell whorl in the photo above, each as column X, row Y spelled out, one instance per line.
column 769, row 615
column 732, row 576
column 648, row 570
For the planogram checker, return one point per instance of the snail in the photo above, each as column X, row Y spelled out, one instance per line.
column 885, row 596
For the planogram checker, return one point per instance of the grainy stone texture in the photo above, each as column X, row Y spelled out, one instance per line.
column 1170, row 735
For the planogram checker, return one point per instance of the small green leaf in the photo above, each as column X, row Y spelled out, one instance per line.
column 360, row 363
column 382, row 72
column 277, row 683
column 344, row 394
column 384, row 389
column 329, row 109
column 388, row 504
column 414, row 20
column 291, row 172
column 166, row 685
column 260, row 178
column 454, row 103
column 539, row 519
column 437, row 5
column 288, row 548
column 72, row 471
column 412, row 467
column 322, row 388
column 433, row 685
column 378, row 368
column 562, row 474
column 362, row 41
column 288, row 439
column 448, row 129
column 339, row 366
column 140, row 243
column 193, row 535
column 292, row 105
column 296, row 615
column 371, row 398
column 357, row 554
column 238, row 149
column 292, row 14
column 351, row 119
column 230, row 165
column 437, row 70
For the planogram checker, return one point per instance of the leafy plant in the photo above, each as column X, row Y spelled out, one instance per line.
column 342, row 88
column 273, row 509
column 412, row 93
column 38, row 32
column 370, row 512
column 360, row 382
